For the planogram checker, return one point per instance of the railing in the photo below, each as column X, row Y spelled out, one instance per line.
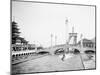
column 23, row 49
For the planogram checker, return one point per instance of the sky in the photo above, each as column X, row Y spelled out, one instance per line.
column 37, row 21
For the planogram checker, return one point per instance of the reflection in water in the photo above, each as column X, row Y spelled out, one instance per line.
column 54, row 63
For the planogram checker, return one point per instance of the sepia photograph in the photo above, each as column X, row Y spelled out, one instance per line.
column 52, row 37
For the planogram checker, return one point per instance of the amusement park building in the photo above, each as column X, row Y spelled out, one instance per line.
column 87, row 43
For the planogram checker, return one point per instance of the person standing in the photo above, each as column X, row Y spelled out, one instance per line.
column 63, row 56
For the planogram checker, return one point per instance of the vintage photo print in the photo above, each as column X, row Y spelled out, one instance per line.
column 52, row 37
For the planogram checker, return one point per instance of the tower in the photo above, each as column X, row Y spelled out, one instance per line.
column 74, row 36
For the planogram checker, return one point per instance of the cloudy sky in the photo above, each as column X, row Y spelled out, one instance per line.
column 37, row 21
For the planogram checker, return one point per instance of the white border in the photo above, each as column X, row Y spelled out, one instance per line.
column 5, row 37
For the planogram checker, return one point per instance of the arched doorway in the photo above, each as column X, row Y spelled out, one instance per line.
column 76, row 51
column 89, row 52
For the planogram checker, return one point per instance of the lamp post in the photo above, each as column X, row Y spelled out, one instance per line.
column 66, row 23
column 55, row 40
column 51, row 40
column 81, row 40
